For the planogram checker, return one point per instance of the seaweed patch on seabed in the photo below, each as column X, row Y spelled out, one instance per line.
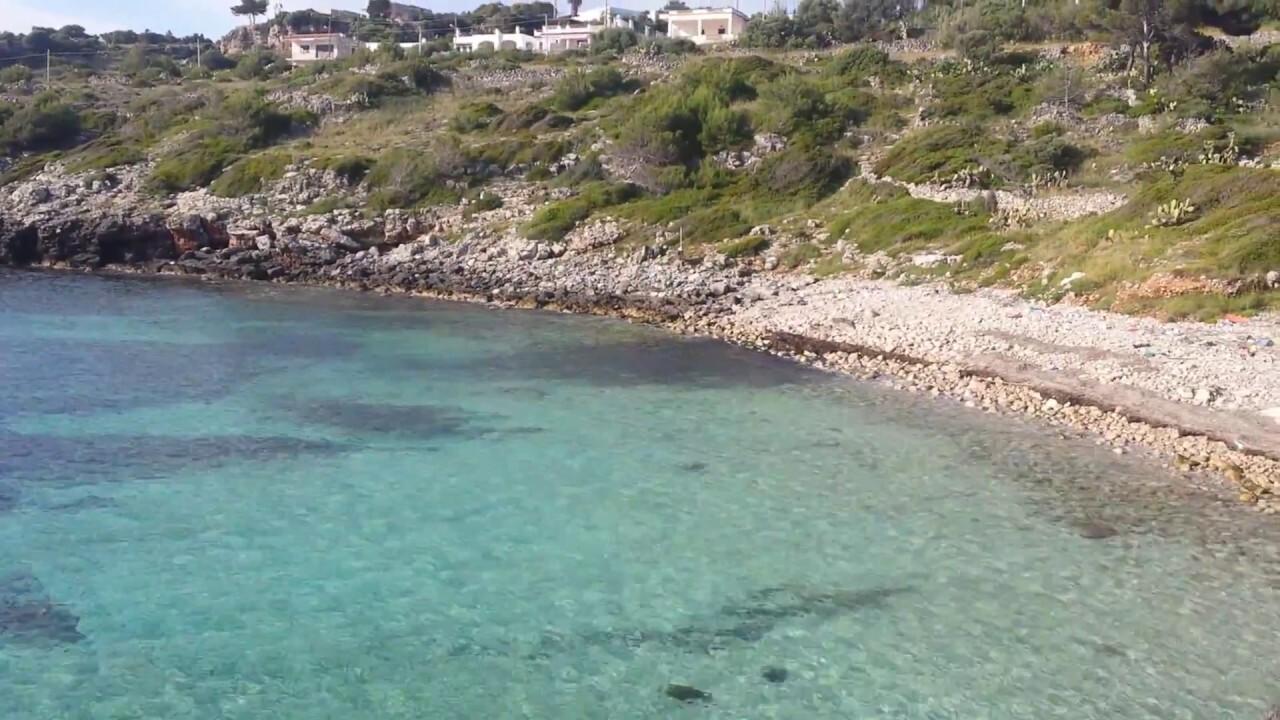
column 89, row 502
column 141, row 374
column 417, row 422
column 744, row 622
column 28, row 616
column 88, row 459
column 679, row 362
column 9, row 497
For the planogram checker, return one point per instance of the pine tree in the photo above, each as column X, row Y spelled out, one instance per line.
column 252, row 8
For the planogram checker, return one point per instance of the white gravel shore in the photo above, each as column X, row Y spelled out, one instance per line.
column 1226, row 366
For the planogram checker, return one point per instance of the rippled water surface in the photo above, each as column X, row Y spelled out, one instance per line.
column 269, row 503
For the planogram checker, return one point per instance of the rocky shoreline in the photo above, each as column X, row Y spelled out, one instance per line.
column 1204, row 399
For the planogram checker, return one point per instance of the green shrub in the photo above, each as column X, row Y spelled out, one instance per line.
column 259, row 65
column 1047, row 130
column 712, row 224
column 577, row 90
column 327, row 205
column 670, row 46
column 798, row 255
column 587, row 170
column 196, row 165
column 744, row 247
column 236, row 125
column 43, row 124
column 861, row 62
column 419, row 74
column 977, row 45
column 802, row 173
column 1233, row 232
column 15, row 75
column 247, row 176
column 980, row 94
column 1219, row 83
column 938, row 151
column 797, row 108
column 351, row 168
column 899, row 223
column 474, row 116
column 1105, row 105
column 1173, row 145
column 405, row 178
column 523, row 118
column 107, row 153
column 554, row 221
column 484, row 203
column 616, row 40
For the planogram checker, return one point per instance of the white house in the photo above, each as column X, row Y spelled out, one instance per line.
column 496, row 41
column 408, row 47
column 573, row 32
column 705, row 26
column 316, row 47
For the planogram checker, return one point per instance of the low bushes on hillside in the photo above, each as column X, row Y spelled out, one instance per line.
column 237, row 125
column 943, row 151
column 248, row 175
column 43, row 124
column 554, row 221
column 576, row 90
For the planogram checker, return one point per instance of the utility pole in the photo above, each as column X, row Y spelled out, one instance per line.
column 48, row 68
column 197, row 51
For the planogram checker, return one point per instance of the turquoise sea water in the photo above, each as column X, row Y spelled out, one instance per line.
column 253, row 502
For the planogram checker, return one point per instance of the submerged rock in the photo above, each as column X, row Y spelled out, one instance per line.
column 775, row 674
column 687, row 693
column 1094, row 530
column 695, row 466
column 27, row 614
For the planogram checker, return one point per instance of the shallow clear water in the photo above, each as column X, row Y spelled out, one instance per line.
column 265, row 503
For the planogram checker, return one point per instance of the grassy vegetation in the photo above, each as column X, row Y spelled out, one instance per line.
column 887, row 219
column 249, row 175
column 554, row 221
column 236, row 125
column 799, row 255
column 674, row 148
column 941, row 151
column 744, row 247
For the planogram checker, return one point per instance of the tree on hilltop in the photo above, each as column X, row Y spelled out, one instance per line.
column 252, row 8
column 380, row 9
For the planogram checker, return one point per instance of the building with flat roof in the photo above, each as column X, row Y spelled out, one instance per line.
column 495, row 41
column 706, row 26
column 317, row 47
column 571, row 32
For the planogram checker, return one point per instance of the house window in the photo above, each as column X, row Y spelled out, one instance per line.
column 324, row 48
column 306, row 48
column 720, row 31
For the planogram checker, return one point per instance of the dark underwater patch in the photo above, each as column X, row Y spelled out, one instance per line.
column 421, row 422
column 88, row 459
column 639, row 362
column 72, row 377
column 89, row 502
column 410, row 422
column 741, row 623
column 29, row 616
column 9, row 497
